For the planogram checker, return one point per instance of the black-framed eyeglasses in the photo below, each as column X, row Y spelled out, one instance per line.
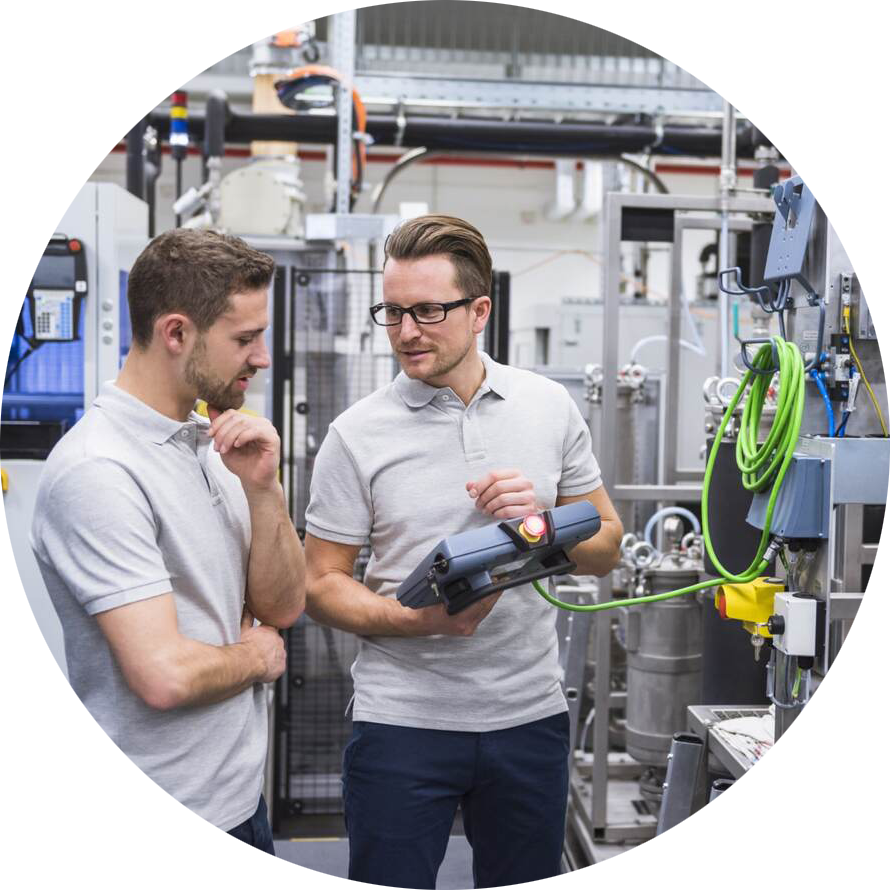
column 390, row 315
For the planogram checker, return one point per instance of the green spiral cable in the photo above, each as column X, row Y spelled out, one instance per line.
column 759, row 465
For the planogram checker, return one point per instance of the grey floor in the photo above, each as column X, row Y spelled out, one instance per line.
column 26, row 862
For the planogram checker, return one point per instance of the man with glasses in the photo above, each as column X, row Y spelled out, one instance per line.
column 464, row 710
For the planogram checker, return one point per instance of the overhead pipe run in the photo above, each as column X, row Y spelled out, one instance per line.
column 219, row 125
column 436, row 133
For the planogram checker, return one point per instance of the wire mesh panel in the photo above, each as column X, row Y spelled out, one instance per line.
column 339, row 356
column 335, row 356
column 651, row 42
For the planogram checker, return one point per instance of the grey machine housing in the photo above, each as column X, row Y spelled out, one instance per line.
column 458, row 570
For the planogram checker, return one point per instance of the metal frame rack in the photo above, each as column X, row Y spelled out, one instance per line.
column 832, row 117
column 838, row 571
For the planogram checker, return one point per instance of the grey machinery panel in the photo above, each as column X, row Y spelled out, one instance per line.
column 32, row 654
column 112, row 225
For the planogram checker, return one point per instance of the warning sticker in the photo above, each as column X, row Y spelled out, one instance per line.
column 874, row 226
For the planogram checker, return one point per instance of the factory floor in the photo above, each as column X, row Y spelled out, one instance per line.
column 26, row 861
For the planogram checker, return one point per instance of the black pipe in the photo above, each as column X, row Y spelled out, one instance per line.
column 568, row 138
column 497, row 333
column 153, row 159
column 178, row 161
column 832, row 27
column 218, row 121
column 136, row 159
column 881, row 53
column 761, row 233
column 772, row 35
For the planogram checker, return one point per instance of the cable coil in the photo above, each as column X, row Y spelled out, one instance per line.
column 761, row 466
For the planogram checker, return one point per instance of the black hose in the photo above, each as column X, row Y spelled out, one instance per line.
column 218, row 118
column 178, row 187
column 564, row 139
column 136, row 159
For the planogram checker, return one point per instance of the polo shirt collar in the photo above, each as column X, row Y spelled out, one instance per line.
column 496, row 376
column 417, row 394
column 144, row 420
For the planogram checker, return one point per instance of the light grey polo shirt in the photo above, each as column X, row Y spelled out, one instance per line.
column 392, row 472
column 131, row 505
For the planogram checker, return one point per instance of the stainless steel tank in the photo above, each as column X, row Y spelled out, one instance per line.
column 664, row 660
column 634, row 429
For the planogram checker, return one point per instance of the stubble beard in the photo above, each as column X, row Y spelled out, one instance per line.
column 442, row 365
column 208, row 387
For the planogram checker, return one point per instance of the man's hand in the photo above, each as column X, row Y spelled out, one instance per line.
column 504, row 494
column 268, row 645
column 249, row 446
column 435, row 620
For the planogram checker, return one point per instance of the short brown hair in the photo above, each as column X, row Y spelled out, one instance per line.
column 436, row 235
column 192, row 271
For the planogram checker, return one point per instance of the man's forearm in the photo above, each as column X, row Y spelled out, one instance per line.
column 337, row 600
column 600, row 554
column 190, row 673
column 276, row 574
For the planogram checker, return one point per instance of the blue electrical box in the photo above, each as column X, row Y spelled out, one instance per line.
column 803, row 504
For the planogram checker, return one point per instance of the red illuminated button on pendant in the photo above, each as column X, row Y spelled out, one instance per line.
column 533, row 528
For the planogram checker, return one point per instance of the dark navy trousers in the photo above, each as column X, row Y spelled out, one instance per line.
column 402, row 788
column 240, row 859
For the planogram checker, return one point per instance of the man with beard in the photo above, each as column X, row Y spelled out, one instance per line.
column 172, row 563
column 464, row 710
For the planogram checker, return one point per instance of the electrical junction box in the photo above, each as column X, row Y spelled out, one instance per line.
column 803, row 504
column 799, row 614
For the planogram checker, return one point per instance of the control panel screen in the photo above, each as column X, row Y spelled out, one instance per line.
column 53, row 271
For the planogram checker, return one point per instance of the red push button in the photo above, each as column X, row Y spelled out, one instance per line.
column 533, row 528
